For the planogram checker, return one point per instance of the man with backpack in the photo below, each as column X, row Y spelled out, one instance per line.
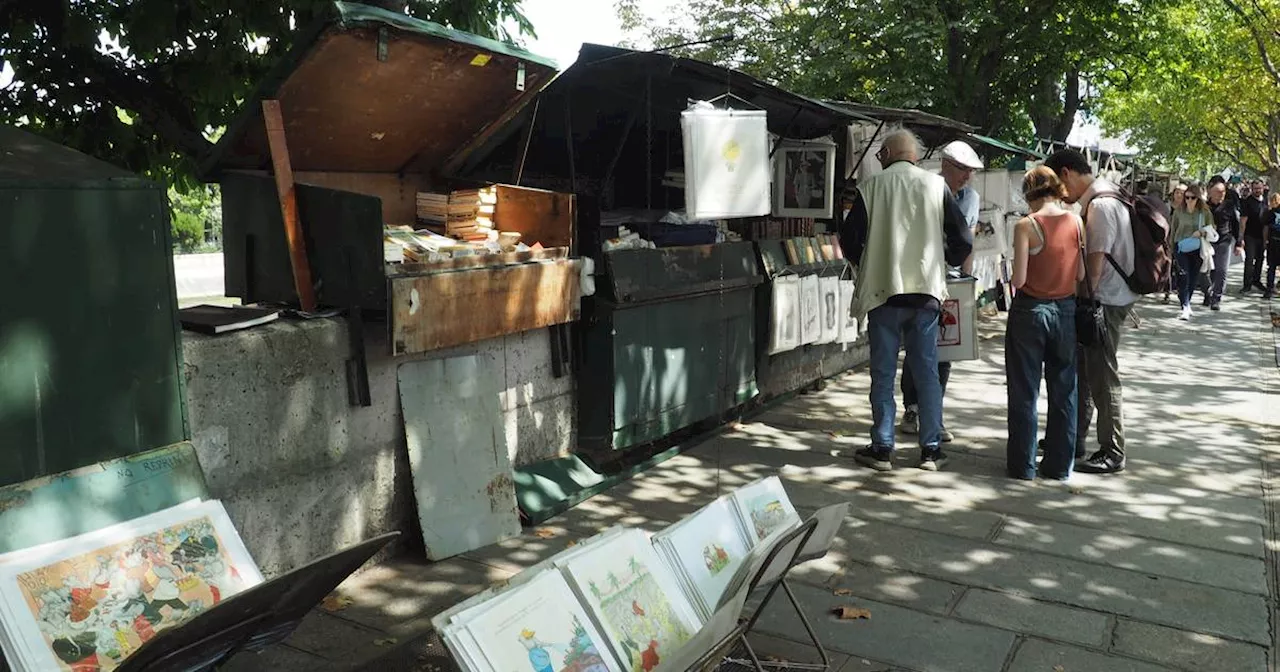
column 1111, row 269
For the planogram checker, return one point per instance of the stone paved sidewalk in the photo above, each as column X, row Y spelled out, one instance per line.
column 1169, row 566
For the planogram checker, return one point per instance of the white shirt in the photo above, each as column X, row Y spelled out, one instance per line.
column 1108, row 229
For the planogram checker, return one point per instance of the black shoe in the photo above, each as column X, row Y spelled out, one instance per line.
column 1102, row 462
column 932, row 459
column 1267, row 296
column 1207, row 302
column 1215, row 307
column 878, row 458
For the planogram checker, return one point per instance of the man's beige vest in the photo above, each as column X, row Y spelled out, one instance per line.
column 904, row 252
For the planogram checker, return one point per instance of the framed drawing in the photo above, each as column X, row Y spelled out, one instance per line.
column 785, row 319
column 810, row 310
column 848, row 323
column 726, row 163
column 764, row 508
column 706, row 550
column 958, row 328
column 804, row 179
column 829, row 303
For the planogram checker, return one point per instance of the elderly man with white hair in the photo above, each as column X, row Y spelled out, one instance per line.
column 959, row 163
column 904, row 229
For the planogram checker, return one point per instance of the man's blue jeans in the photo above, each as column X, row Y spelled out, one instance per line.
column 890, row 327
column 1041, row 334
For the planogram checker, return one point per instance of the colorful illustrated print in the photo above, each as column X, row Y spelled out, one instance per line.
column 767, row 514
column 640, row 616
column 716, row 558
column 580, row 654
column 97, row 608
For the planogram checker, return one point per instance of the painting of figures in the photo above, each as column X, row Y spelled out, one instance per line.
column 87, row 608
column 637, row 600
column 539, row 627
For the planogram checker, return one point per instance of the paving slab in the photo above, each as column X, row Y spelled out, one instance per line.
column 1197, row 565
column 771, row 647
column 282, row 657
column 1063, row 580
column 1034, row 617
column 895, row 635
column 337, row 639
column 1187, row 650
column 895, row 587
column 1040, row 656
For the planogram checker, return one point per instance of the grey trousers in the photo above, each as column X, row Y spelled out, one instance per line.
column 1098, row 375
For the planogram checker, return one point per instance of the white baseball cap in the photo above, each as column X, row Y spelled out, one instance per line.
column 963, row 154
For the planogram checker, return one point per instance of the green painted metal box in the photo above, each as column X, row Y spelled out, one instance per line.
column 90, row 350
column 668, row 342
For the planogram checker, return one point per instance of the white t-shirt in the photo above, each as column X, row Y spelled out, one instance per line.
column 1108, row 229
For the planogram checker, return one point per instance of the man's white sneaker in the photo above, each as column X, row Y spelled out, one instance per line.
column 1186, row 313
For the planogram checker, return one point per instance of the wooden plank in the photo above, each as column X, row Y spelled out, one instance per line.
column 446, row 309
column 289, row 204
column 453, row 424
column 53, row 508
column 545, row 217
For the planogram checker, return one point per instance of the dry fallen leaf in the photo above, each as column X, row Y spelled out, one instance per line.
column 333, row 603
column 835, row 435
column 571, row 544
column 1059, row 668
column 843, row 592
column 385, row 642
column 1075, row 490
column 848, row 613
column 544, row 533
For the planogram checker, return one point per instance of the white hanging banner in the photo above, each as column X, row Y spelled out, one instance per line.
column 726, row 162
column 848, row 323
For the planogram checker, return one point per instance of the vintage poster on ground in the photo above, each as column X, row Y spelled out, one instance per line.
column 87, row 602
column 810, row 310
column 765, row 508
column 540, row 627
column 785, row 318
column 709, row 547
column 635, row 598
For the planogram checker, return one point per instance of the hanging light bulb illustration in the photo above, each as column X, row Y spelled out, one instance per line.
column 731, row 152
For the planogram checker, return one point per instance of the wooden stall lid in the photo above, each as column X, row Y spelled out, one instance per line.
column 367, row 90
column 446, row 309
column 540, row 216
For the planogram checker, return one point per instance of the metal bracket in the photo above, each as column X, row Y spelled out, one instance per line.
column 520, row 76
column 384, row 39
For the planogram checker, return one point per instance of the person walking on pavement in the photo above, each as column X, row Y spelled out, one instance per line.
column 1253, row 215
column 1227, row 222
column 1176, row 201
column 959, row 163
column 905, row 228
column 1041, row 331
column 1192, row 232
column 1271, row 240
column 1108, row 232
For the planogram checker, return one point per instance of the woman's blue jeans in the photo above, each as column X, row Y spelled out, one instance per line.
column 1041, row 335
column 1190, row 263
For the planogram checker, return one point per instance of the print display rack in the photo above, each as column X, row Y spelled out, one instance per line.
column 622, row 602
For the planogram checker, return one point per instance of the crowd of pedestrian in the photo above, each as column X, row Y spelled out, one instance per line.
column 1081, row 259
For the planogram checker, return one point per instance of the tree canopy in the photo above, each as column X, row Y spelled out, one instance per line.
column 1017, row 71
column 144, row 83
column 1207, row 96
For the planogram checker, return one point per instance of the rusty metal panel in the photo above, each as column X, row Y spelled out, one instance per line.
column 454, row 433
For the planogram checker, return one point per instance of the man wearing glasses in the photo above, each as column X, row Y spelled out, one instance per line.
column 959, row 163
column 904, row 230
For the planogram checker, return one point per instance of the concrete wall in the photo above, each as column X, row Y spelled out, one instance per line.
column 302, row 472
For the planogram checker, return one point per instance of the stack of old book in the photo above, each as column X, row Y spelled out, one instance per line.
column 433, row 209
column 471, row 214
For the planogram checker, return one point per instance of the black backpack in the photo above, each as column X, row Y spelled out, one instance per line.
column 1151, row 259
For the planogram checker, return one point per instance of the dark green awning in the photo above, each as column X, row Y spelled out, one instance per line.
column 1008, row 147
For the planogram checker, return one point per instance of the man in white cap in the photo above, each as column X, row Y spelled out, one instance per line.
column 959, row 163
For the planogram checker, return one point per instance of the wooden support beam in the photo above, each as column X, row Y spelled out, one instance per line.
column 289, row 205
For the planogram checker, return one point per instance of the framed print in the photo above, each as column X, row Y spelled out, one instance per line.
column 804, row 179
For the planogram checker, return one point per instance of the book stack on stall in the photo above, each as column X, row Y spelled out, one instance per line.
column 471, row 214
column 433, row 208
column 620, row 602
